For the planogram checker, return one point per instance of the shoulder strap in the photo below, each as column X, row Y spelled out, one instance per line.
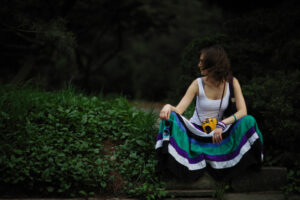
column 196, row 108
column 231, row 104
column 231, row 87
column 221, row 100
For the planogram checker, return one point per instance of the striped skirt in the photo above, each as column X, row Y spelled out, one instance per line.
column 186, row 151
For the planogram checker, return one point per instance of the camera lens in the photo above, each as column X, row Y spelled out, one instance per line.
column 207, row 129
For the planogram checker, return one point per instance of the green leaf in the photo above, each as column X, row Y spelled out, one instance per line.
column 82, row 192
column 103, row 184
column 91, row 193
column 98, row 161
column 60, row 108
column 84, row 119
column 50, row 189
column 141, row 142
column 18, row 151
column 50, row 116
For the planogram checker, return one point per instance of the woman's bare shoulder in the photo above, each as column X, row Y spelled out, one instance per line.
column 195, row 81
column 235, row 81
column 195, row 86
column 236, row 84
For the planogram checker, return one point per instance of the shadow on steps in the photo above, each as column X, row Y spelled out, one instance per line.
column 267, row 179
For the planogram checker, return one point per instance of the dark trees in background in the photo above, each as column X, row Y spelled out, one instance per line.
column 35, row 41
column 111, row 46
column 71, row 41
column 136, row 47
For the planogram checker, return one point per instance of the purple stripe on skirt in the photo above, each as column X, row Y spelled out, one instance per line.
column 197, row 127
column 159, row 136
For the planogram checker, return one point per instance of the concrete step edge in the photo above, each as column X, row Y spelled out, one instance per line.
column 191, row 193
column 268, row 178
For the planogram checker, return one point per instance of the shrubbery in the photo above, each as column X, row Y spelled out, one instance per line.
column 274, row 101
column 68, row 144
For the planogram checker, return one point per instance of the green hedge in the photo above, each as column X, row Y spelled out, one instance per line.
column 274, row 100
column 68, row 144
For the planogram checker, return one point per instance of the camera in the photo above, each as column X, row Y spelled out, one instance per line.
column 209, row 124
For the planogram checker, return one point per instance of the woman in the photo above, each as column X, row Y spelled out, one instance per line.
column 186, row 149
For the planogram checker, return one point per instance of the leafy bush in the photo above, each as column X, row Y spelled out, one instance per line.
column 68, row 144
column 273, row 101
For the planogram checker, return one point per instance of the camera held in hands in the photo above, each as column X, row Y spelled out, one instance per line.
column 209, row 125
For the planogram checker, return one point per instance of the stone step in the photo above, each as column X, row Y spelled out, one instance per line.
column 269, row 195
column 191, row 193
column 204, row 182
column 191, row 198
column 268, row 178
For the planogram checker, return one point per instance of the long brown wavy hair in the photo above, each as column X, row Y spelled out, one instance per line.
column 216, row 62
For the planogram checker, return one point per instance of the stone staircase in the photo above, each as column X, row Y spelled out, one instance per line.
column 265, row 184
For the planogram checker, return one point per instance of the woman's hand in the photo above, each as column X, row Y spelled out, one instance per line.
column 217, row 137
column 165, row 112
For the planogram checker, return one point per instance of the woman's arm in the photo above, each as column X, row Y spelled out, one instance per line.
column 183, row 104
column 240, row 103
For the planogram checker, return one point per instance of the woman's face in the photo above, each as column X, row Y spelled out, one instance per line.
column 201, row 65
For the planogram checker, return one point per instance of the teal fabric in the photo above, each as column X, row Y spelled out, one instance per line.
column 228, row 145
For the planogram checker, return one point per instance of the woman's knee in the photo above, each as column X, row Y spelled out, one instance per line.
column 250, row 119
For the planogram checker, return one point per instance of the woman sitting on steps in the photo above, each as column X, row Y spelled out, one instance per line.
column 229, row 143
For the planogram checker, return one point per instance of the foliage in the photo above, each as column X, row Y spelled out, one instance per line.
column 293, row 181
column 129, row 47
column 274, row 100
column 221, row 188
column 155, row 61
column 67, row 144
column 43, row 38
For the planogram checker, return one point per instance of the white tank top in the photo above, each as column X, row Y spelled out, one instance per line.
column 209, row 108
